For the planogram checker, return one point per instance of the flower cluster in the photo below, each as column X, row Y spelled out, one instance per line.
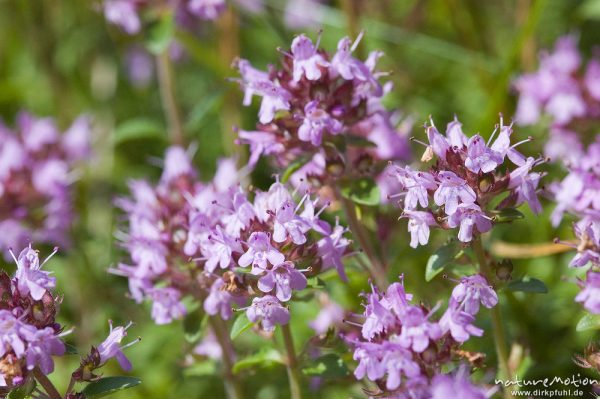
column 29, row 333
column 566, row 92
column 467, row 176
column 403, row 350
column 36, row 171
column 126, row 14
column 322, row 113
column 579, row 194
column 214, row 243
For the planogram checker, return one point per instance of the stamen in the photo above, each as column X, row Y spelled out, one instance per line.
column 49, row 256
column 418, row 141
column 528, row 139
column 282, row 51
column 357, row 41
column 318, row 42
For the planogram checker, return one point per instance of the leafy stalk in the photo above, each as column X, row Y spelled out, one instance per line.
column 167, row 94
column 46, row 384
column 499, row 337
column 292, row 363
column 232, row 385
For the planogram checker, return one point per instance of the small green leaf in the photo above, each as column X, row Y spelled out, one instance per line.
column 590, row 9
column 264, row 358
column 70, row 349
column 161, row 34
column 24, row 391
column 240, row 325
column 362, row 191
column 327, row 366
column 138, row 129
column 507, row 215
column 201, row 369
column 528, row 284
column 294, row 166
column 588, row 322
column 108, row 385
column 358, row 141
column 192, row 325
column 443, row 257
column 315, row 282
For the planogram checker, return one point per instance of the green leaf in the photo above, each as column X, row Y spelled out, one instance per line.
column 358, row 141
column 528, row 284
column 138, row 129
column 264, row 358
column 161, row 34
column 315, row 282
column 70, row 349
column 362, row 191
column 294, row 166
column 192, row 325
column 507, row 215
column 443, row 257
column 24, row 391
column 109, row 385
column 588, row 322
column 590, row 9
column 240, row 325
column 327, row 366
column 201, row 369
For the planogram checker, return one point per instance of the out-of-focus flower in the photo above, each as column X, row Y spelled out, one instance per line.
column 37, row 167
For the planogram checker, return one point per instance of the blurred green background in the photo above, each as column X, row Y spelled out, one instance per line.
column 60, row 58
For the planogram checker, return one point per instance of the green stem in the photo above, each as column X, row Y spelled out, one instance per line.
column 292, row 363
column 377, row 269
column 497, row 328
column 167, row 95
column 232, row 386
column 46, row 384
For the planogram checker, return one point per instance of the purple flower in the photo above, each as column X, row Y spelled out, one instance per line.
column 418, row 226
column 209, row 347
column 219, row 300
column 416, row 184
column 268, row 311
column 445, row 386
column 166, row 305
column 274, row 98
column 207, row 9
column 437, row 143
column 525, row 184
column 41, row 346
column 587, row 231
column 452, row 189
column 123, row 13
column 10, row 336
column 397, row 360
column 259, row 252
column 459, row 323
column 480, row 157
column 468, row 216
column 219, row 248
column 332, row 248
column 379, row 316
column 111, row 347
column 369, row 356
column 592, row 79
column 307, row 61
column 590, row 294
column 473, row 290
column 261, row 144
column 284, row 278
column 316, row 121
column 177, row 163
column 331, row 314
column 345, row 65
column 31, row 280
column 288, row 224
column 417, row 331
